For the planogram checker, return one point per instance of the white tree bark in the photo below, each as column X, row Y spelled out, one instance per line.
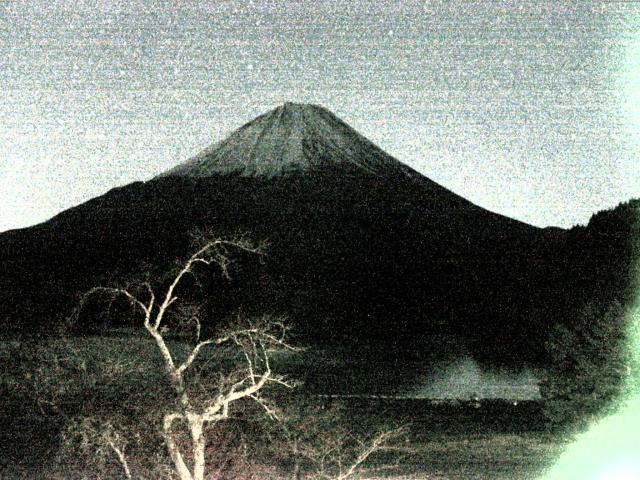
column 174, row 452
column 254, row 340
column 121, row 458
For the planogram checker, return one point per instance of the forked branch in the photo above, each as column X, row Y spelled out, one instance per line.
column 255, row 340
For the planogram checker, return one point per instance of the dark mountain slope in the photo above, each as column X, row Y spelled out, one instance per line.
column 363, row 249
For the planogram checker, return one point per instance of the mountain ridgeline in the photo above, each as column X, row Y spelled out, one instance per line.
column 363, row 250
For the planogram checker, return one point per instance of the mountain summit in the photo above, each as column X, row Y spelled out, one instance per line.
column 292, row 137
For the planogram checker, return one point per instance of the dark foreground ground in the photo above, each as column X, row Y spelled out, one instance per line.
column 493, row 441
column 443, row 440
column 472, row 440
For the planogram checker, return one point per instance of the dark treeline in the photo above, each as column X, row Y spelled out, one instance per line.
column 589, row 347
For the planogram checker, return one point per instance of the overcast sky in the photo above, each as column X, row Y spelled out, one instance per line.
column 527, row 108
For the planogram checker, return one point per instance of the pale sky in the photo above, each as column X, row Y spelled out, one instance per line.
column 527, row 108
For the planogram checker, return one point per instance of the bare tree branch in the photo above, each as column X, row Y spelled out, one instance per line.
column 379, row 443
column 121, row 457
column 192, row 356
column 254, row 339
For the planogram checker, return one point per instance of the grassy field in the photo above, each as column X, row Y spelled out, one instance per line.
column 48, row 383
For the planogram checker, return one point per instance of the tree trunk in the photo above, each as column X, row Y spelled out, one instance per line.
column 181, row 468
column 198, row 442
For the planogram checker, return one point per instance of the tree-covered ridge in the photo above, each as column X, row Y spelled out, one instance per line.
column 589, row 350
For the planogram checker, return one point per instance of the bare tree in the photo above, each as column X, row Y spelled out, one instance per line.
column 100, row 438
column 324, row 444
column 337, row 462
column 254, row 339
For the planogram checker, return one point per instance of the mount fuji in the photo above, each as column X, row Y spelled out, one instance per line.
column 363, row 249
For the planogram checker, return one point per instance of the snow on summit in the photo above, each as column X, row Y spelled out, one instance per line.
column 291, row 137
